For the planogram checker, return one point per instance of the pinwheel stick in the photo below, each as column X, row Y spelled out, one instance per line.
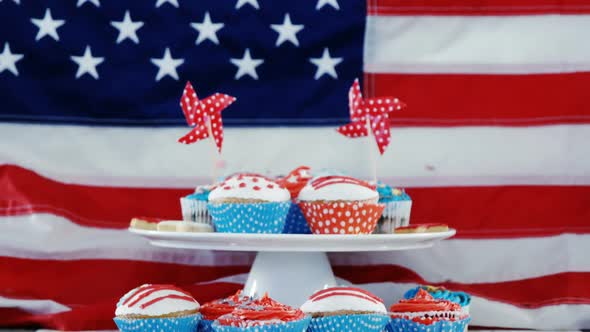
column 372, row 154
column 215, row 157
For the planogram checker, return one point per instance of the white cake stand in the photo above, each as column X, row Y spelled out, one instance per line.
column 290, row 267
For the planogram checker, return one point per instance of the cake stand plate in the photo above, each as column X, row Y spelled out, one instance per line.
column 290, row 267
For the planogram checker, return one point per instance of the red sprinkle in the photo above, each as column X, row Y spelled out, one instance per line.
column 254, row 179
column 270, row 186
column 256, row 188
column 242, row 184
column 227, row 188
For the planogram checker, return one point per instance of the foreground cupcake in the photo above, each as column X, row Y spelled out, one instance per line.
column 340, row 205
column 263, row 315
column 161, row 308
column 294, row 182
column 423, row 313
column 345, row 309
column 398, row 206
column 440, row 293
column 249, row 204
column 211, row 311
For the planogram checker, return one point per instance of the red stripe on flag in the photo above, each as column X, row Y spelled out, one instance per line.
column 24, row 191
column 510, row 211
column 93, row 281
column 99, row 315
column 470, row 7
column 84, row 282
column 465, row 99
column 562, row 288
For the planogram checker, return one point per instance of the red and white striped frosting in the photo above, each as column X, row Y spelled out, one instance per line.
column 343, row 299
column 337, row 188
column 155, row 300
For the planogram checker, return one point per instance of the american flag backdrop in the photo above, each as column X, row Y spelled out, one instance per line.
column 494, row 142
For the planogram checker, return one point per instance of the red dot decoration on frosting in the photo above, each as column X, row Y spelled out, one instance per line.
column 243, row 185
column 256, row 188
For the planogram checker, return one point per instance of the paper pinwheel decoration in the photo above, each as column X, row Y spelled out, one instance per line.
column 203, row 115
column 373, row 112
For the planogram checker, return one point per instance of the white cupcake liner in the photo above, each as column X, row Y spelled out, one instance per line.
column 195, row 210
column 396, row 214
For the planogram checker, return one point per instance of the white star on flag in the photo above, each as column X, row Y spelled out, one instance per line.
column 167, row 65
column 287, row 31
column 172, row 2
column 326, row 64
column 15, row 1
column 207, row 29
column 322, row 3
column 127, row 28
column 87, row 63
column 8, row 60
column 253, row 3
column 246, row 65
column 47, row 25
column 96, row 3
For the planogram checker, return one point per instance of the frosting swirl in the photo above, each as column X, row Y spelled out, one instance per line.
column 155, row 300
column 442, row 293
column 338, row 188
column 423, row 308
column 343, row 299
column 250, row 186
column 215, row 309
column 261, row 311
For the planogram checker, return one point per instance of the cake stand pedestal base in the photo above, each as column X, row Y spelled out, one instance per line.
column 289, row 277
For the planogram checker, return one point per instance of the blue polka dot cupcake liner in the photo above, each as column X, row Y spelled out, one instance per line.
column 296, row 223
column 205, row 325
column 162, row 324
column 407, row 325
column 294, row 326
column 349, row 323
column 266, row 217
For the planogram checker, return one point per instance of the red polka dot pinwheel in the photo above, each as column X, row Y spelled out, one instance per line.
column 373, row 112
column 203, row 115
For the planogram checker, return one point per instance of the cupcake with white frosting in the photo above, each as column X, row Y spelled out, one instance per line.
column 249, row 203
column 340, row 205
column 345, row 309
column 157, row 308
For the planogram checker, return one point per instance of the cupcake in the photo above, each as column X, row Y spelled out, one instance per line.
column 440, row 293
column 345, row 309
column 163, row 308
column 294, row 182
column 211, row 311
column 340, row 205
column 398, row 206
column 263, row 315
column 194, row 206
column 424, row 313
column 249, row 204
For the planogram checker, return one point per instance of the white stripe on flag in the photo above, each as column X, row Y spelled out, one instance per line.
column 44, row 236
column 477, row 44
column 453, row 156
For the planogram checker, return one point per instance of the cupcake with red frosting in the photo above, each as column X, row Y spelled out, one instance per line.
column 423, row 313
column 163, row 308
column 345, row 309
column 249, row 203
column 211, row 311
column 294, row 182
column 340, row 205
column 263, row 315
